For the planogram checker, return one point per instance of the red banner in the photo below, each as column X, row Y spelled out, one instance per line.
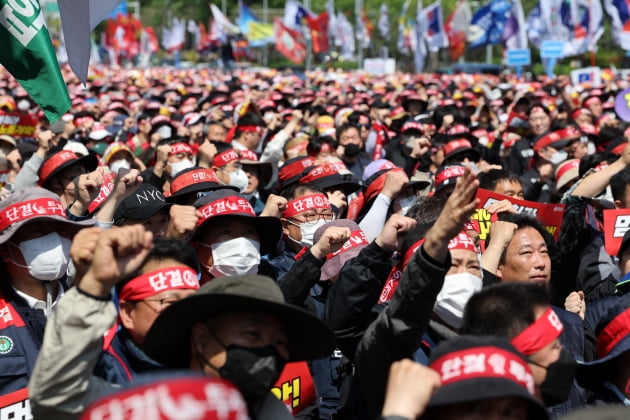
column 616, row 223
column 550, row 215
column 16, row 405
column 319, row 32
column 295, row 387
column 289, row 43
column 17, row 124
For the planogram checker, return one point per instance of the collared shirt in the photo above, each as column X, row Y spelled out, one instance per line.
column 41, row 304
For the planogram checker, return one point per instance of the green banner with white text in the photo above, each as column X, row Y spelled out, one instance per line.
column 27, row 53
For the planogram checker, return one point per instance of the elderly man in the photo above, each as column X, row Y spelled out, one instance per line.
column 227, row 329
column 34, row 245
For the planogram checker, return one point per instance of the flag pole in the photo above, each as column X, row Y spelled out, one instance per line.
column 357, row 10
column 309, row 48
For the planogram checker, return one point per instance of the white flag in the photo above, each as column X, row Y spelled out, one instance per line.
column 223, row 23
column 78, row 20
column 383, row 21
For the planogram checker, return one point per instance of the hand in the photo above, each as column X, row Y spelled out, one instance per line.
column 182, row 221
column 395, row 181
column 391, row 235
column 88, row 186
column 82, row 250
column 409, row 389
column 119, row 253
column 456, row 212
column 14, row 159
column 501, row 234
column 161, row 153
column 485, row 166
column 297, row 115
column 43, row 141
column 206, row 153
column 575, row 303
column 420, row 147
column 338, row 199
column 331, row 241
column 503, row 206
column 274, row 206
column 126, row 185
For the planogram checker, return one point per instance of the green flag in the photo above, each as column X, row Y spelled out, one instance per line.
column 28, row 55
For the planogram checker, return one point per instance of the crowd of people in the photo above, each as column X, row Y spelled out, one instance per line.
column 193, row 244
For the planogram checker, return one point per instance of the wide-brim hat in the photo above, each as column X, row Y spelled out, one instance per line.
column 33, row 204
column 224, row 203
column 168, row 340
column 194, row 180
column 480, row 386
column 61, row 160
column 330, row 175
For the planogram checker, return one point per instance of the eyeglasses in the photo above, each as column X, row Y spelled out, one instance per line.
column 163, row 303
column 314, row 217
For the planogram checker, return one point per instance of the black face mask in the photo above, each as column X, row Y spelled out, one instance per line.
column 351, row 150
column 253, row 370
column 557, row 385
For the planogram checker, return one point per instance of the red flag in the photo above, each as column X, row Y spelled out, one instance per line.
column 289, row 43
column 319, row 32
column 456, row 26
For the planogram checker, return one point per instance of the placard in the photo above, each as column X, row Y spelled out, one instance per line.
column 616, row 223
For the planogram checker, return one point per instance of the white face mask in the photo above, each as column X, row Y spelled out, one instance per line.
column 239, row 179
column 119, row 164
column 46, row 257
column 455, row 293
column 234, row 257
column 406, row 203
column 177, row 167
column 308, row 230
column 559, row 157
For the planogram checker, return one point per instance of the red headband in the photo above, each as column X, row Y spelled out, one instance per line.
column 300, row 147
column 307, row 202
column 543, row 331
column 294, row 168
column 248, row 155
column 225, row 158
column 232, row 205
column 55, row 162
column 357, row 238
column 322, row 171
column 615, row 331
column 484, row 362
column 250, row 128
column 158, row 281
column 83, row 120
column 462, row 241
column 193, row 177
column 396, row 273
column 592, row 100
column 25, row 210
column 547, row 140
column 456, row 144
column 448, row 173
column 377, row 185
column 106, row 189
column 566, row 167
column 580, row 111
column 177, row 148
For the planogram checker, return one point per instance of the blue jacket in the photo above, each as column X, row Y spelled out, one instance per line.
column 21, row 336
column 122, row 360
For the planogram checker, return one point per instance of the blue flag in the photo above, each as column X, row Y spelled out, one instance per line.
column 488, row 23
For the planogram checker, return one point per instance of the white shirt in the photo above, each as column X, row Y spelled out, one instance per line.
column 41, row 304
